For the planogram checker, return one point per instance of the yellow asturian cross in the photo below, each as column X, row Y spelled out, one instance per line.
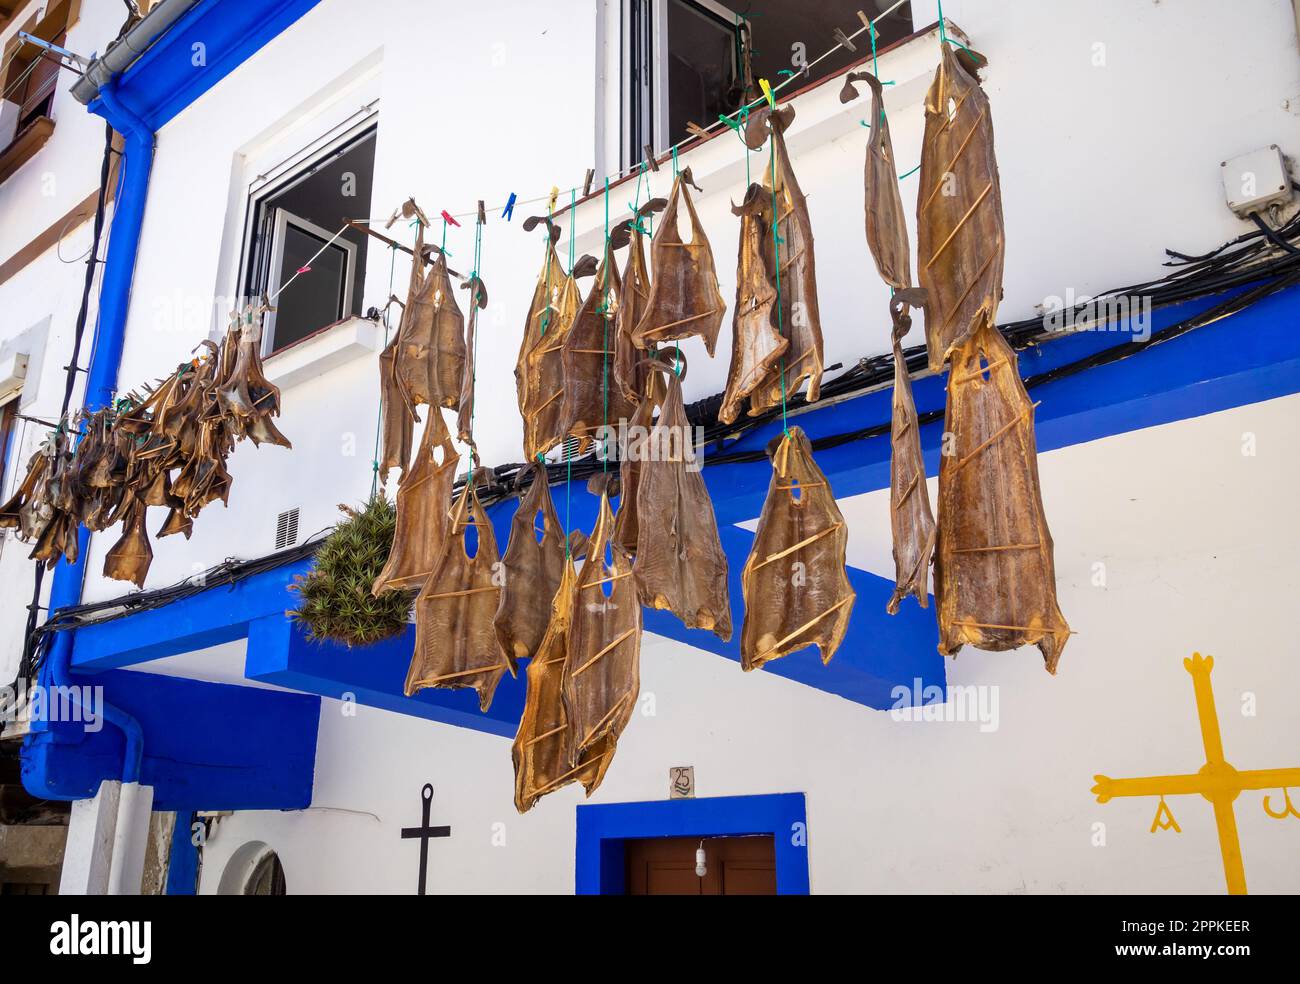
column 1218, row 781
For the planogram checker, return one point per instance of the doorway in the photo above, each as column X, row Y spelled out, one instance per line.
column 753, row 845
column 732, row 866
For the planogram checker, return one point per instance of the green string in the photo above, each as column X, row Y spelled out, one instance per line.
column 909, row 173
column 776, row 246
column 473, row 313
column 379, row 424
column 604, row 355
column 943, row 35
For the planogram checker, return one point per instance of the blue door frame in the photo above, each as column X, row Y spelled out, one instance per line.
column 604, row 829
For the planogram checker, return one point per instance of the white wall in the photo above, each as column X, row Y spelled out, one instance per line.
column 1102, row 167
column 908, row 806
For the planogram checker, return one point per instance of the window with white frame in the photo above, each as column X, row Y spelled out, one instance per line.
column 690, row 61
column 296, row 231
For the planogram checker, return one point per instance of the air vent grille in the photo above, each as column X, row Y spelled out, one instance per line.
column 286, row 529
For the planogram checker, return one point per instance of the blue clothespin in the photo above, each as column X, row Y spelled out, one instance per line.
column 508, row 214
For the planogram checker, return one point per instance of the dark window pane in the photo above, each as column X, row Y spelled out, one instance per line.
column 314, row 299
column 701, row 68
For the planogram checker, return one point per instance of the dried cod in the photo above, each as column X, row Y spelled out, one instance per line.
column 756, row 346
column 680, row 564
column 455, row 642
column 532, row 569
column 994, row 577
column 960, row 231
column 791, row 266
column 541, row 746
column 796, row 587
column 911, row 521
column 629, row 371
column 603, row 676
column 592, row 401
column 465, row 415
column 684, row 297
column 423, row 501
column 540, row 370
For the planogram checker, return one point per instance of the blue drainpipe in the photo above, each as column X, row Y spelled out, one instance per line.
column 101, row 381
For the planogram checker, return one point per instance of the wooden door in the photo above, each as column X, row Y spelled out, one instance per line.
column 735, row 866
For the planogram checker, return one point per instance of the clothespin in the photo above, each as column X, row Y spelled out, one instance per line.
column 482, row 216
column 843, row 39
column 866, row 21
column 303, row 269
column 509, row 212
column 734, row 124
column 586, row 181
column 650, row 158
column 555, row 193
column 767, row 91
column 695, row 130
column 448, row 217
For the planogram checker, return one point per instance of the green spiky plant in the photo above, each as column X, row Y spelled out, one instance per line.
column 336, row 599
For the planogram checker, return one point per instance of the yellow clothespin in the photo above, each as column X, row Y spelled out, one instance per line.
column 767, row 91
column 555, row 193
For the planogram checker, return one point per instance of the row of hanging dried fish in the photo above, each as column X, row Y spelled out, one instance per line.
column 662, row 548
column 166, row 448
column 995, row 582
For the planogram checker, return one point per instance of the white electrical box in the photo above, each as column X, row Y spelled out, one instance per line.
column 1254, row 181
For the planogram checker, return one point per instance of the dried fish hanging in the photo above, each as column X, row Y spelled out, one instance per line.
column 756, row 345
column 995, row 581
column 911, row 521
column 603, row 676
column 531, row 569
column 591, row 401
column 795, row 582
column 684, row 296
column 167, row 448
column 423, row 499
column 960, row 235
column 791, row 266
column 542, row 353
column 680, row 564
column 541, row 747
column 430, row 356
column 455, row 641
column 629, row 372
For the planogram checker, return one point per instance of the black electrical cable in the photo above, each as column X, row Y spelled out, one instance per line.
column 1272, row 234
column 27, row 663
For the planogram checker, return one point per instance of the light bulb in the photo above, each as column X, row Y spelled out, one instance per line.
column 701, row 868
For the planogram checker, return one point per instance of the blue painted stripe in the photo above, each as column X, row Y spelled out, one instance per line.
column 183, row 859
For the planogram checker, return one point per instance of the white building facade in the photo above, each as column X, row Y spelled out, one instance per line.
column 1167, row 474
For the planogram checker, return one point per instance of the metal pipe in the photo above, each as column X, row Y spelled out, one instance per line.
column 123, row 52
column 101, row 381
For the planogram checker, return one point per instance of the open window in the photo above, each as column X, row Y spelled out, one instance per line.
column 297, row 248
column 690, row 61
column 28, row 81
